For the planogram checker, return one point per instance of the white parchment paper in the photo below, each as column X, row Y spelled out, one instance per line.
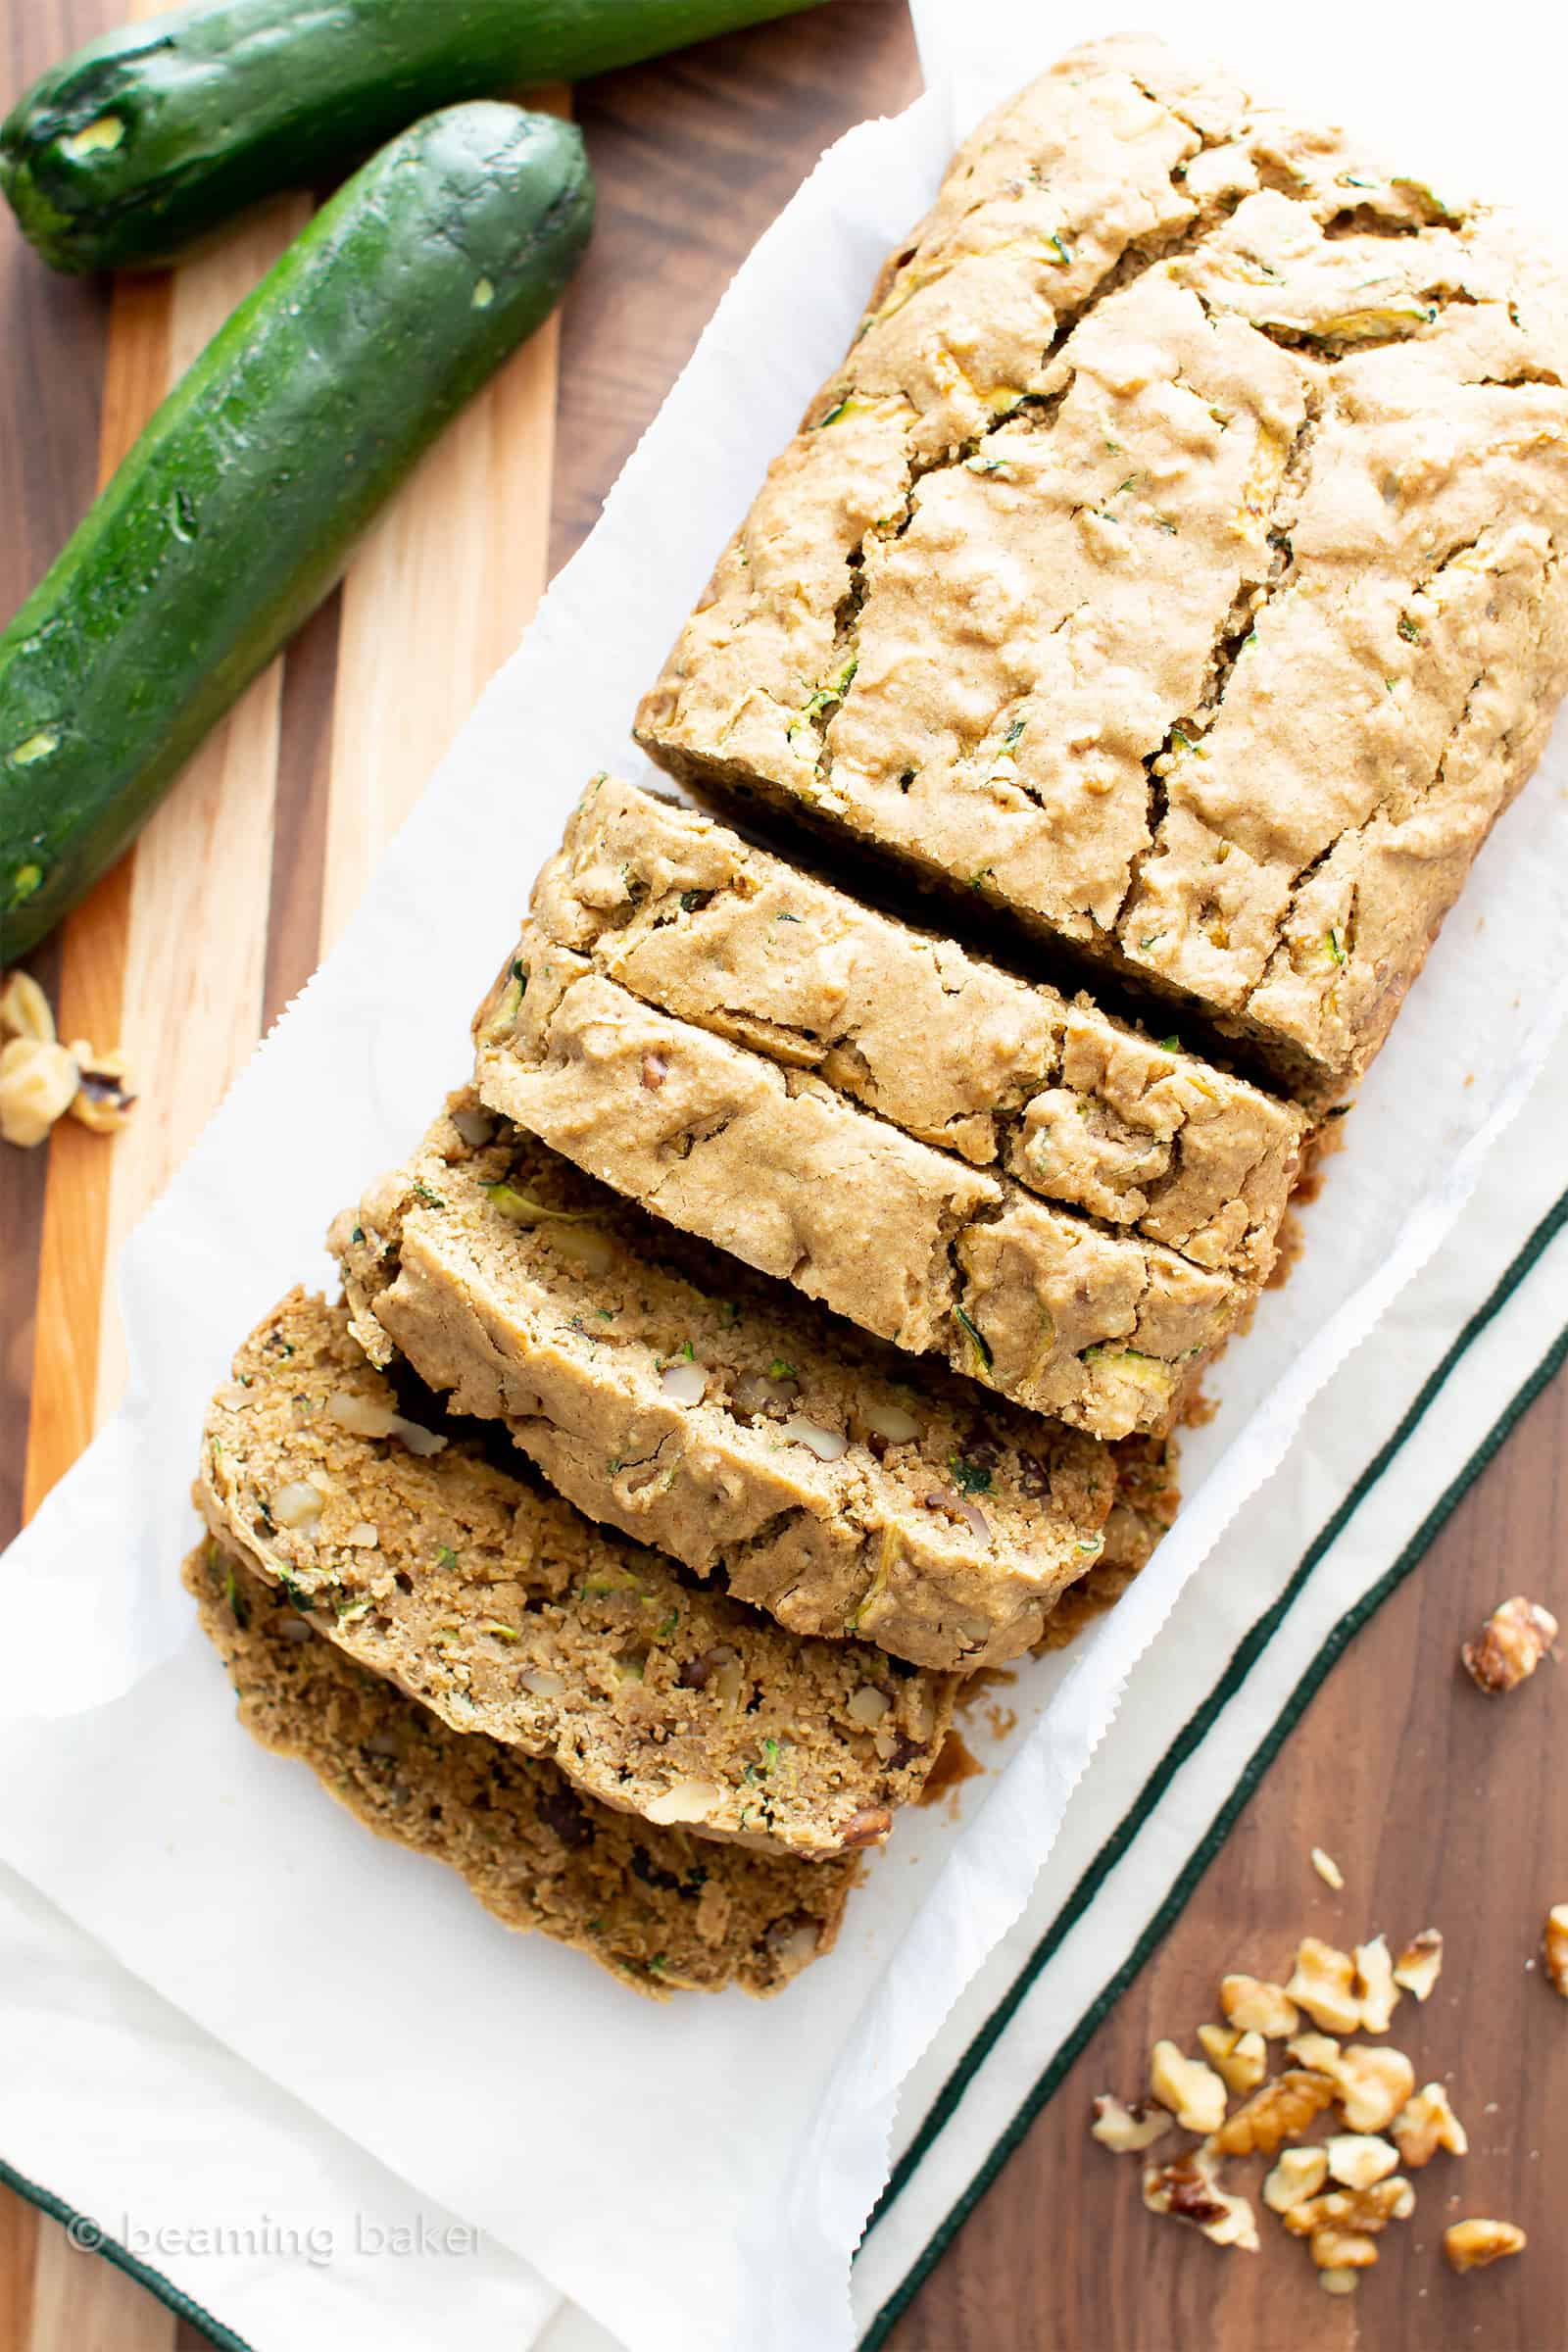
column 695, row 2176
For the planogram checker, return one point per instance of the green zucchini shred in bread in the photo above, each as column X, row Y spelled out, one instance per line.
column 659, row 1909
column 1100, row 1327
column 1080, row 1107
column 822, row 1474
column 1175, row 559
column 503, row 1610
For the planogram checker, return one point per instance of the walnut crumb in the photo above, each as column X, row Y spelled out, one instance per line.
column 1554, row 1948
column 1471, row 2245
column 1258, row 2007
column 1420, row 1964
column 1425, row 2123
column 1240, row 2060
column 1125, row 2129
column 1189, row 2188
column 1324, row 1986
column 1282, row 2110
column 1191, row 2091
column 1328, row 1869
column 1510, row 1646
column 1375, row 1987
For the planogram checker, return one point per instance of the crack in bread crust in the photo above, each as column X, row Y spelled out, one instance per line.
column 1082, row 1109
column 918, row 579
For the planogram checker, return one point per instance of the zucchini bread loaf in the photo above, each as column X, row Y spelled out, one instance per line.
column 1082, row 1109
column 658, row 1908
column 1174, row 561
column 670, row 1394
column 504, row 1612
column 1101, row 1328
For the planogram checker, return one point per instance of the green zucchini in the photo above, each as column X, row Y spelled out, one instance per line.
column 236, row 512
column 143, row 143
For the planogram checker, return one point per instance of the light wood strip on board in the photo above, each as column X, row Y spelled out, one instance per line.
column 437, row 598
column 167, row 957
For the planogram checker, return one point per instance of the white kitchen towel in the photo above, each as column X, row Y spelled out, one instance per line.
column 696, row 2177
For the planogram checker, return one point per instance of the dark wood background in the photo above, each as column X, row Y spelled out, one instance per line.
column 1439, row 1806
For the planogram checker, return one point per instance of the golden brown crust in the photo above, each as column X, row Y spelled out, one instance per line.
column 1175, row 560
column 1082, row 1109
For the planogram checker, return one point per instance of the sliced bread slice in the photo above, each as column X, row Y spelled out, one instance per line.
column 503, row 1610
column 660, row 1909
column 1101, row 1328
column 687, row 1402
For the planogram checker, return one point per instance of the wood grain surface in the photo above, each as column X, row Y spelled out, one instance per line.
column 1440, row 1807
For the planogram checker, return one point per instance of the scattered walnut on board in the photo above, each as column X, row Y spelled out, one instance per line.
column 1127, row 2130
column 1282, row 2110
column 40, row 1079
column 1190, row 2190
column 1471, row 2245
column 1420, row 1964
column 1375, row 1985
column 1191, row 2091
column 1425, row 2123
column 1297, row 2174
column 1510, row 1646
column 1338, row 2192
column 37, row 1081
column 1240, row 2060
column 1258, row 2006
column 1371, row 2084
column 1324, row 1986
column 1554, row 1948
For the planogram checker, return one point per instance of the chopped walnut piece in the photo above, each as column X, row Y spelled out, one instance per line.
column 1471, row 2245
column 1282, row 2110
column 1356, row 2159
column 25, row 1009
column 1420, row 1964
column 1258, row 2007
column 103, row 1100
column 1324, row 1986
column 1240, row 2060
column 1375, row 1987
column 1340, row 2251
column 1555, row 1947
column 1372, row 2084
column 1328, row 1869
column 1124, row 2129
column 1298, row 2175
column 1190, row 2190
column 1510, row 1646
column 1193, row 2091
column 37, row 1080
column 1425, row 2123
column 1364, row 2209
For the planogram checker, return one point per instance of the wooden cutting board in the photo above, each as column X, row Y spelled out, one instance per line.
column 224, row 906
column 231, row 896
